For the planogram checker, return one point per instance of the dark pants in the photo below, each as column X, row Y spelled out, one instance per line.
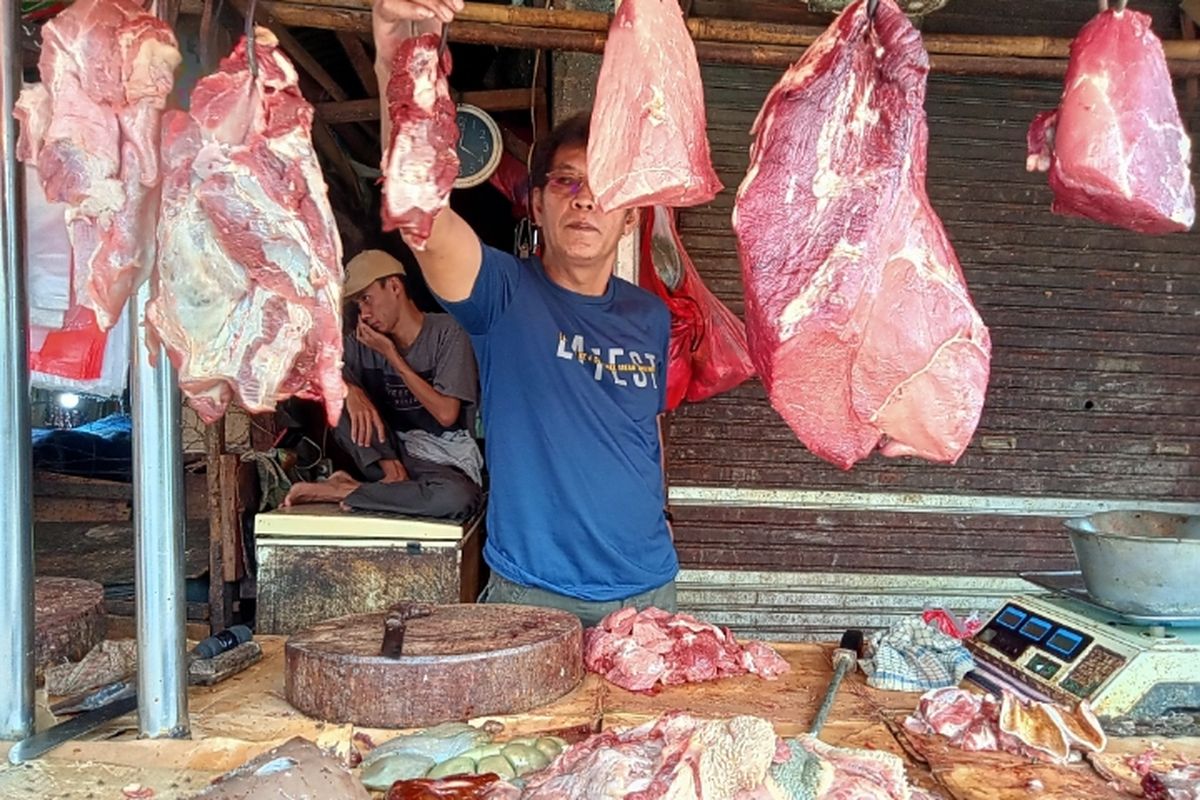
column 432, row 490
column 501, row 590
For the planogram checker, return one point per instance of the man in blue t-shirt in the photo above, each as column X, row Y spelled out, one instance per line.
column 572, row 364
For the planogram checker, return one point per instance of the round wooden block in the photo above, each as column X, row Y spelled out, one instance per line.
column 461, row 661
column 68, row 619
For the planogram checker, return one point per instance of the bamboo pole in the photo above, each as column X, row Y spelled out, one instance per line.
column 719, row 40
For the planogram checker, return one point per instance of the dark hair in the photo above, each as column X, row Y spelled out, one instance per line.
column 571, row 132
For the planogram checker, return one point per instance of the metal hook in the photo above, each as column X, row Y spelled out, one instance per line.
column 872, row 5
column 251, row 41
column 445, row 40
column 1120, row 6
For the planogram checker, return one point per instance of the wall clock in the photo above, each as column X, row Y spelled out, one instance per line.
column 479, row 146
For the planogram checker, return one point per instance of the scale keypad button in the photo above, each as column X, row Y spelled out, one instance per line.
column 1043, row 667
column 1092, row 671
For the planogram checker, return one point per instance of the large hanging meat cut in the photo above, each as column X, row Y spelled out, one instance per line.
column 648, row 143
column 247, row 291
column 420, row 161
column 91, row 128
column 1115, row 147
column 857, row 313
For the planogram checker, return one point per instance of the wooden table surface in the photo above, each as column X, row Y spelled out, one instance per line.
column 247, row 714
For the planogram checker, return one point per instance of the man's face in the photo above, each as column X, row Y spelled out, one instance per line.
column 379, row 304
column 573, row 227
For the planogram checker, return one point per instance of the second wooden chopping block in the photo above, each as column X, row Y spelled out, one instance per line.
column 457, row 662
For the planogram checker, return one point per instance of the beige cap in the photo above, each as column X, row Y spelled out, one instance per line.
column 366, row 268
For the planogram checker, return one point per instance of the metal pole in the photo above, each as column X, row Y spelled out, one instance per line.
column 159, row 535
column 16, row 505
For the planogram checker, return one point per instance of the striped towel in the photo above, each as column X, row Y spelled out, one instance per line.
column 912, row 656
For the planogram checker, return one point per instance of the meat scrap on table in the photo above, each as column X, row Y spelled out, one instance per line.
column 638, row 650
column 247, row 290
column 1039, row 731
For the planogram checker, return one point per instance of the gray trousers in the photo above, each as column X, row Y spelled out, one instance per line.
column 432, row 490
column 501, row 590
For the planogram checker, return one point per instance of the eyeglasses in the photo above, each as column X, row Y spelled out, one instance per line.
column 568, row 184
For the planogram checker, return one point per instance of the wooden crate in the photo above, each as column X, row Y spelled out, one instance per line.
column 318, row 562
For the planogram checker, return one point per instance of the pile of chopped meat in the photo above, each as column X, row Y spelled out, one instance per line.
column 637, row 650
column 91, row 128
column 1039, row 731
column 675, row 756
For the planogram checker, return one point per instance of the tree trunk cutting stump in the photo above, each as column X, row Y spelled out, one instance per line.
column 69, row 620
column 457, row 663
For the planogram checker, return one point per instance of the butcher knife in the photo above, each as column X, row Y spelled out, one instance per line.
column 117, row 699
column 845, row 659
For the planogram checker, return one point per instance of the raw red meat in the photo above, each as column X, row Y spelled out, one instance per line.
column 420, row 162
column 676, row 756
column 708, row 350
column 1039, row 731
column 1115, row 147
column 648, row 143
column 857, row 314
column 91, row 128
column 247, row 294
column 636, row 650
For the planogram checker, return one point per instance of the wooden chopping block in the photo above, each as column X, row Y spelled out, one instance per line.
column 69, row 619
column 458, row 662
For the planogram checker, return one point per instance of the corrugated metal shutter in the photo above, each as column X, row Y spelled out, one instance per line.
column 1095, row 372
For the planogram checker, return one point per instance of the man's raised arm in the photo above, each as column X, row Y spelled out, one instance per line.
column 451, row 258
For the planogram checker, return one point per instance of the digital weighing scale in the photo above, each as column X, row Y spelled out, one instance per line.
column 1064, row 647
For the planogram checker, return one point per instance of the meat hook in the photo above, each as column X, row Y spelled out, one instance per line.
column 445, row 40
column 1120, row 6
column 872, row 5
column 251, row 41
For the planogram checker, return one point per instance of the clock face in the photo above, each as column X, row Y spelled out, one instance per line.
column 478, row 147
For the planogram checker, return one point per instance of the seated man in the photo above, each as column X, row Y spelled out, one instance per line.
column 412, row 390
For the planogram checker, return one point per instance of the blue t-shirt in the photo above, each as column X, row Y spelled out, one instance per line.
column 571, row 390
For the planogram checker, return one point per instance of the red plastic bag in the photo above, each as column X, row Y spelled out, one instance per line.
column 76, row 352
column 708, row 353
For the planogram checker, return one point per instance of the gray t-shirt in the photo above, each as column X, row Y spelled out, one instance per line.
column 441, row 354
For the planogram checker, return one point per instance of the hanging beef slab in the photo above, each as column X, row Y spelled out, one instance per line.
column 857, row 313
column 1115, row 147
column 648, row 143
column 247, row 290
column 91, row 128
column 420, row 162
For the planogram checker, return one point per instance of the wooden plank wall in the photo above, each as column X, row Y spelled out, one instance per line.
column 1096, row 336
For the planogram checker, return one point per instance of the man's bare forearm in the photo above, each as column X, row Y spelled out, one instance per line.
column 444, row 408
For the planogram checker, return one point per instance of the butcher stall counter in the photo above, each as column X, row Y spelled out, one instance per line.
column 247, row 714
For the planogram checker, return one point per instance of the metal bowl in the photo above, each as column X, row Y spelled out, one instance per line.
column 1140, row 562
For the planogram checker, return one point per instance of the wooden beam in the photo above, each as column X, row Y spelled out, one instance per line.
column 494, row 100
column 345, row 111
column 726, row 41
column 363, row 64
column 327, row 145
